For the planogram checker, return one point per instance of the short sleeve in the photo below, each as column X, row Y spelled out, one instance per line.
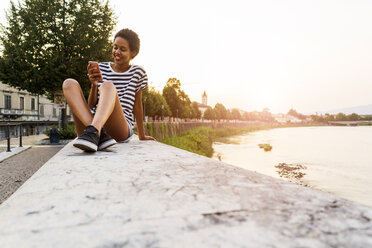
column 142, row 82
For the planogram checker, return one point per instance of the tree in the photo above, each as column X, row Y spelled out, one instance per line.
column 196, row 113
column 178, row 101
column 154, row 103
column 341, row 117
column 236, row 114
column 294, row 113
column 353, row 117
column 220, row 112
column 46, row 42
column 209, row 114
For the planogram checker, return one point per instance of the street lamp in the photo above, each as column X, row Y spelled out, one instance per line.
column 162, row 112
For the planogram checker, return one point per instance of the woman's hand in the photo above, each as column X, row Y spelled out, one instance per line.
column 94, row 72
column 147, row 138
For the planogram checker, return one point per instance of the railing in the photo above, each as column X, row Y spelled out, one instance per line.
column 4, row 111
column 17, row 129
column 11, row 111
column 8, row 135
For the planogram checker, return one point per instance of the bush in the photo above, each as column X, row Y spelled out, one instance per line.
column 68, row 133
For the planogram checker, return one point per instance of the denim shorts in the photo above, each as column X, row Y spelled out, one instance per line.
column 130, row 134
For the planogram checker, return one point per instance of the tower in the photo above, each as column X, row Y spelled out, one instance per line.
column 204, row 98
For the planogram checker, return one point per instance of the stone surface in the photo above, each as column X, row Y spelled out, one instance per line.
column 16, row 170
column 147, row 194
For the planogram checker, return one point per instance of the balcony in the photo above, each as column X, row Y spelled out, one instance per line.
column 11, row 111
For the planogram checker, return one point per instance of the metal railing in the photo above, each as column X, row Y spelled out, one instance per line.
column 8, row 135
column 18, row 129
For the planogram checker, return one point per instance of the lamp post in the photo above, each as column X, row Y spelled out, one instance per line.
column 162, row 112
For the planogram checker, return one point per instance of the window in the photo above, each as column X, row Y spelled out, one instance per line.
column 32, row 103
column 42, row 110
column 22, row 103
column 8, row 102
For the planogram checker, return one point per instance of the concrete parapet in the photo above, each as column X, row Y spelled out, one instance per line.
column 147, row 194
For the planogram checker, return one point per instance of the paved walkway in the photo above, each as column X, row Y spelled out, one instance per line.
column 22, row 162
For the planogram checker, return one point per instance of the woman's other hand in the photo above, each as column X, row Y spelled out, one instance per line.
column 147, row 138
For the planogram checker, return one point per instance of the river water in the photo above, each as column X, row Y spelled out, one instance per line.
column 338, row 160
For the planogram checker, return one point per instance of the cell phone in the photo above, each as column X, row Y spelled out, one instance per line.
column 95, row 67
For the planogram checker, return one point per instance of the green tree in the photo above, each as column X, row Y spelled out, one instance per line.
column 178, row 101
column 353, row 117
column 341, row 117
column 236, row 114
column 154, row 103
column 209, row 114
column 220, row 112
column 294, row 113
column 46, row 42
column 196, row 113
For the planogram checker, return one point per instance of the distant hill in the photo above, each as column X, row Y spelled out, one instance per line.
column 360, row 110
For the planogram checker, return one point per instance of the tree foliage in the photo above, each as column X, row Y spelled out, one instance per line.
column 195, row 111
column 220, row 112
column 46, row 42
column 154, row 103
column 294, row 113
column 178, row 101
column 236, row 114
column 209, row 114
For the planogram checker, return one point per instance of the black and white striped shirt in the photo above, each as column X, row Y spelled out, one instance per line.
column 126, row 83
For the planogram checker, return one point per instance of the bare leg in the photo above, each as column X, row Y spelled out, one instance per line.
column 78, row 105
column 110, row 114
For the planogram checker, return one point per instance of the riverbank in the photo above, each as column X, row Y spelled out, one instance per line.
column 200, row 139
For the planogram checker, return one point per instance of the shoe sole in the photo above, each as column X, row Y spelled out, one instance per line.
column 85, row 145
column 106, row 144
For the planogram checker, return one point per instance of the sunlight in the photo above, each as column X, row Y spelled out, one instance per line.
column 266, row 97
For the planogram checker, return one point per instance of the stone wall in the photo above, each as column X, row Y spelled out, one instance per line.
column 148, row 194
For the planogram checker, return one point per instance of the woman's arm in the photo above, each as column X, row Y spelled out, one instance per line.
column 92, row 99
column 138, row 114
column 94, row 76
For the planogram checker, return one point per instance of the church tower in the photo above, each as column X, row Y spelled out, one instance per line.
column 204, row 98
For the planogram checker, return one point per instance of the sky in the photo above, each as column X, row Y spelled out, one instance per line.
column 280, row 54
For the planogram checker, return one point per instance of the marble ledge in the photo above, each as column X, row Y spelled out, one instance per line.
column 147, row 194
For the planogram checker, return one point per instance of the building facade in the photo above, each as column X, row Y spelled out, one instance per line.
column 203, row 106
column 24, row 106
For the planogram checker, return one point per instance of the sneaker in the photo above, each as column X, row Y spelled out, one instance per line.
column 105, row 140
column 88, row 141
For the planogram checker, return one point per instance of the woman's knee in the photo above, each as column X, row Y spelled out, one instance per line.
column 69, row 84
column 107, row 85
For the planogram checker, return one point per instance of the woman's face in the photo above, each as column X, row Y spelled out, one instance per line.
column 121, row 51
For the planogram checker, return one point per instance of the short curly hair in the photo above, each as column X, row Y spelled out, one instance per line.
column 131, row 37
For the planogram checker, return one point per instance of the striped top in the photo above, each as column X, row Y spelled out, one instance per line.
column 126, row 83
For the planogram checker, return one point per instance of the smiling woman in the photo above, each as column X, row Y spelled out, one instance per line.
column 116, row 93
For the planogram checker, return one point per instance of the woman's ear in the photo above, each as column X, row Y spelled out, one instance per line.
column 133, row 54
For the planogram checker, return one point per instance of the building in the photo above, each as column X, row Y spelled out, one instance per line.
column 24, row 106
column 203, row 106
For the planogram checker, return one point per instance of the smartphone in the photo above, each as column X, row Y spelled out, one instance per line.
column 94, row 65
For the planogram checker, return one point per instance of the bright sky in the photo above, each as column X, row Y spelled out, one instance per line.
column 309, row 55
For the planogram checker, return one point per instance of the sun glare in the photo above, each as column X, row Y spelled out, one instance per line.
column 266, row 97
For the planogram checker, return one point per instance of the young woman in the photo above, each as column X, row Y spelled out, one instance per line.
column 116, row 93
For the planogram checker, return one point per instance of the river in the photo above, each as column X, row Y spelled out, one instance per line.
column 337, row 160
